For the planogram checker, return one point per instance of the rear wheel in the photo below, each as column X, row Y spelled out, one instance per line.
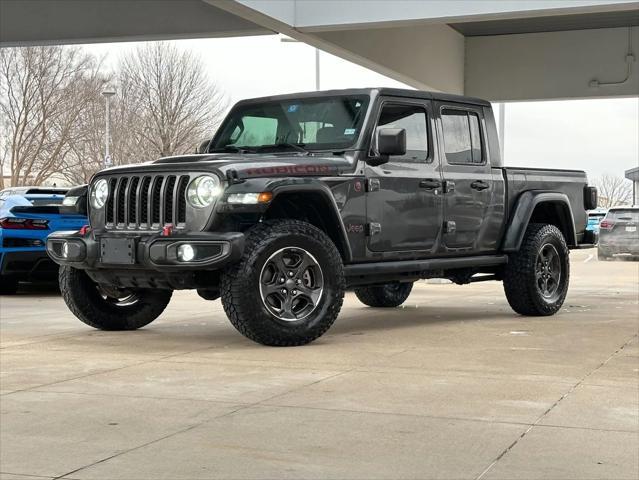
column 536, row 277
column 8, row 285
column 389, row 295
column 602, row 255
column 288, row 287
column 108, row 308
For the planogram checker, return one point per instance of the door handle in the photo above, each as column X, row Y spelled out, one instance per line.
column 430, row 184
column 479, row 185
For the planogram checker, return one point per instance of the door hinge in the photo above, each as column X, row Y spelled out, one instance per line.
column 372, row 185
column 450, row 226
column 373, row 229
column 449, row 186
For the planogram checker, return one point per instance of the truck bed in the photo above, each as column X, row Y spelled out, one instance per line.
column 570, row 182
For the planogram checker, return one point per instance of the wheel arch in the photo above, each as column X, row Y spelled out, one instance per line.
column 314, row 204
column 539, row 207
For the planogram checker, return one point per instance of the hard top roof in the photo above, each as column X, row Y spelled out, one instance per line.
column 395, row 92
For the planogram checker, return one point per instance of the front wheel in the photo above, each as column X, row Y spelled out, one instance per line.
column 108, row 308
column 288, row 288
column 389, row 295
column 536, row 277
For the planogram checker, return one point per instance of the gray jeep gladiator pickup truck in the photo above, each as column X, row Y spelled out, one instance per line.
column 300, row 197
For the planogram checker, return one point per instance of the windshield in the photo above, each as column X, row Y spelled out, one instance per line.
column 320, row 123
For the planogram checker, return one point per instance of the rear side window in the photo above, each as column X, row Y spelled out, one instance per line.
column 462, row 137
column 411, row 118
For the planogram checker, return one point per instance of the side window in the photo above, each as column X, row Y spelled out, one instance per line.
column 256, row 131
column 462, row 137
column 411, row 118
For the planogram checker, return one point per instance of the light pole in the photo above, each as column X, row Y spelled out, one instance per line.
column 107, row 93
column 317, row 60
column 502, row 129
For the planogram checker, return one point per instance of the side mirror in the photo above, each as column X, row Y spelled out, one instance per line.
column 390, row 141
column 202, row 147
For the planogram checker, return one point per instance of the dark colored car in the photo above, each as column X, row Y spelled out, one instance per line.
column 618, row 233
column 300, row 197
column 27, row 216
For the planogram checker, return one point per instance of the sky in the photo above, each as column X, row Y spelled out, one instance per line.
column 600, row 136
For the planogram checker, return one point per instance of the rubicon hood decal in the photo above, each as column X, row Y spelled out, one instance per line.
column 269, row 171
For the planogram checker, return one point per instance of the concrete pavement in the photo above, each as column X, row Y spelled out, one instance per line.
column 452, row 385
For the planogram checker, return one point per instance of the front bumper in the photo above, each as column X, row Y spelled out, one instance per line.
column 125, row 251
column 615, row 247
column 28, row 265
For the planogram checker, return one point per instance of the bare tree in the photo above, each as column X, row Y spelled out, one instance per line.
column 613, row 191
column 168, row 104
column 43, row 91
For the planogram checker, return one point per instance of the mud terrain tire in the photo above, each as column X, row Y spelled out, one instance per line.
column 99, row 310
column 275, row 255
column 389, row 295
column 536, row 277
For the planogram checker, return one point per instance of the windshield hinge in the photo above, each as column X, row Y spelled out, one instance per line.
column 232, row 177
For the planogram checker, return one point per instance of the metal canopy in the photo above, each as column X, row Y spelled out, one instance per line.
column 624, row 18
column 25, row 22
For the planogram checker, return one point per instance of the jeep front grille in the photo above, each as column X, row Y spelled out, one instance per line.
column 146, row 202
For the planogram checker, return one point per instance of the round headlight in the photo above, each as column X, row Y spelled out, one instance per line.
column 203, row 191
column 99, row 193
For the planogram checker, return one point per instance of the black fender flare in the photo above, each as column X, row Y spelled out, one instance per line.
column 522, row 213
column 332, row 213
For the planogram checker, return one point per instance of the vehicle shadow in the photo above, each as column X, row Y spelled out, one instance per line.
column 413, row 316
column 49, row 289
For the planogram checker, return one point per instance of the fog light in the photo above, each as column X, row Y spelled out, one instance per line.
column 65, row 250
column 186, row 252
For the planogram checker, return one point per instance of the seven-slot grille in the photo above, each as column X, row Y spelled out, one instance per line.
column 146, row 202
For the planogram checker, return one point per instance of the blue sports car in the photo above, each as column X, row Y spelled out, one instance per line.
column 27, row 216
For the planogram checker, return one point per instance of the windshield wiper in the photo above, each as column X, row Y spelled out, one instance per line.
column 295, row 146
column 232, row 149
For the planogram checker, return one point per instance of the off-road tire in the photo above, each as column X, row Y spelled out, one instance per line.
column 240, row 284
column 520, row 283
column 8, row 285
column 85, row 301
column 389, row 295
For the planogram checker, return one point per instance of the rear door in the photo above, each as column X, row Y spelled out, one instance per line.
column 467, row 175
column 403, row 200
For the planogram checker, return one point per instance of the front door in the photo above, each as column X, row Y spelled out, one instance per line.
column 467, row 176
column 403, row 203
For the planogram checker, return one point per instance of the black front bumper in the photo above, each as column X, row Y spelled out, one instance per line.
column 129, row 251
column 619, row 246
column 28, row 265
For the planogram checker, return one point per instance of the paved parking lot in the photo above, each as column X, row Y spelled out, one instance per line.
column 453, row 385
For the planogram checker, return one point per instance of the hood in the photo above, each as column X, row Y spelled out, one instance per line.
column 246, row 165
